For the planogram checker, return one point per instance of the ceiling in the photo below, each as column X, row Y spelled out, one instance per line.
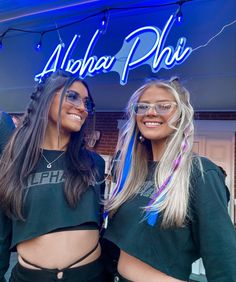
column 209, row 72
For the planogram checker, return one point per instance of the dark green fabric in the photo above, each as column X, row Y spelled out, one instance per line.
column 46, row 208
column 209, row 234
column 6, row 129
column 5, row 241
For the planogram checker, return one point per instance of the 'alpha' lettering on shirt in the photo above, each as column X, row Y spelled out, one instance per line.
column 45, row 177
column 147, row 189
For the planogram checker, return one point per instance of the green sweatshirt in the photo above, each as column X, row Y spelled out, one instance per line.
column 209, row 233
column 6, row 129
column 46, row 208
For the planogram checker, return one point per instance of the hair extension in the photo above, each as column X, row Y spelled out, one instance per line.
column 159, row 195
column 125, row 171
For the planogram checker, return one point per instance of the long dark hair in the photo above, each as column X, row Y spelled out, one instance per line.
column 23, row 150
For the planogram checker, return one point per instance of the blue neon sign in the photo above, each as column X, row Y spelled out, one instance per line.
column 145, row 45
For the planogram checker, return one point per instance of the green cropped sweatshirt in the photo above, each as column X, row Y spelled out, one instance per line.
column 46, row 209
column 209, row 232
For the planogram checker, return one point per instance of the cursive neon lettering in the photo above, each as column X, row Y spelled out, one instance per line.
column 51, row 65
column 69, row 50
column 129, row 64
column 88, row 62
column 145, row 45
column 74, row 67
column 158, row 58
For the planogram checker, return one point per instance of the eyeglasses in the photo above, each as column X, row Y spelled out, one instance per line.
column 161, row 108
column 76, row 100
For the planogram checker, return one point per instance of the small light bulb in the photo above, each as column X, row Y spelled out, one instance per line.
column 179, row 15
column 38, row 46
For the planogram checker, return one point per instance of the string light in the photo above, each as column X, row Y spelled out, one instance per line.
column 179, row 14
column 214, row 36
column 103, row 12
column 59, row 36
column 39, row 44
column 104, row 22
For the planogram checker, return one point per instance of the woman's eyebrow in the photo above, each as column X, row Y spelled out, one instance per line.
column 157, row 101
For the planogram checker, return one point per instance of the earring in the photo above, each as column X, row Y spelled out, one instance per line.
column 141, row 139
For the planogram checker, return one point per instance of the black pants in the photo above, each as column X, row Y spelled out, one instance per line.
column 91, row 272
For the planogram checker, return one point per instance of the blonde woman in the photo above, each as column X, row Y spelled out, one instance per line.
column 169, row 206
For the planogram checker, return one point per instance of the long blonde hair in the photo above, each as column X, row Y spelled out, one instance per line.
column 173, row 200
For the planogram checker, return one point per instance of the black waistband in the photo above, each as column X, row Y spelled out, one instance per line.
column 120, row 278
column 93, row 271
column 56, row 270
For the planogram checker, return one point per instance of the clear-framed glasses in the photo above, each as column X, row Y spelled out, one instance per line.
column 74, row 98
column 161, row 108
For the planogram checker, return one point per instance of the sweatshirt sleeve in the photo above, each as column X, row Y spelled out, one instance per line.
column 213, row 230
column 6, row 129
column 5, row 241
column 99, row 186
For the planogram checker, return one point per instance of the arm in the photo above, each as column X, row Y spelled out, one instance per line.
column 212, row 227
column 6, row 129
column 99, row 166
column 5, row 241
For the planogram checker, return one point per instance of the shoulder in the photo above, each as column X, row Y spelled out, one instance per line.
column 96, row 157
column 207, row 178
column 6, row 128
column 6, row 121
column 202, row 166
column 99, row 167
column 97, row 160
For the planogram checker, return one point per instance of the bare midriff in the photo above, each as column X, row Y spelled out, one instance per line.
column 135, row 270
column 59, row 249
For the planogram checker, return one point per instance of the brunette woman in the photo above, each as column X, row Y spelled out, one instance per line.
column 49, row 188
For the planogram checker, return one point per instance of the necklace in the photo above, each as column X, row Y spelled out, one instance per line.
column 49, row 164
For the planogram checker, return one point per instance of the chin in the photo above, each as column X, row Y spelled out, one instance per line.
column 155, row 138
column 73, row 127
column 77, row 129
column 69, row 130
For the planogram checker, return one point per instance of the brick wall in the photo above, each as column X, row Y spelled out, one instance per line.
column 106, row 123
column 215, row 116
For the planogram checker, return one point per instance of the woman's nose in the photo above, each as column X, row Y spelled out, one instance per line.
column 80, row 106
column 152, row 110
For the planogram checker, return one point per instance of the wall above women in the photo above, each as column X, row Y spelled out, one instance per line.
column 209, row 72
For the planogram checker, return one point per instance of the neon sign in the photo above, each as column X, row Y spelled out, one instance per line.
column 145, row 45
